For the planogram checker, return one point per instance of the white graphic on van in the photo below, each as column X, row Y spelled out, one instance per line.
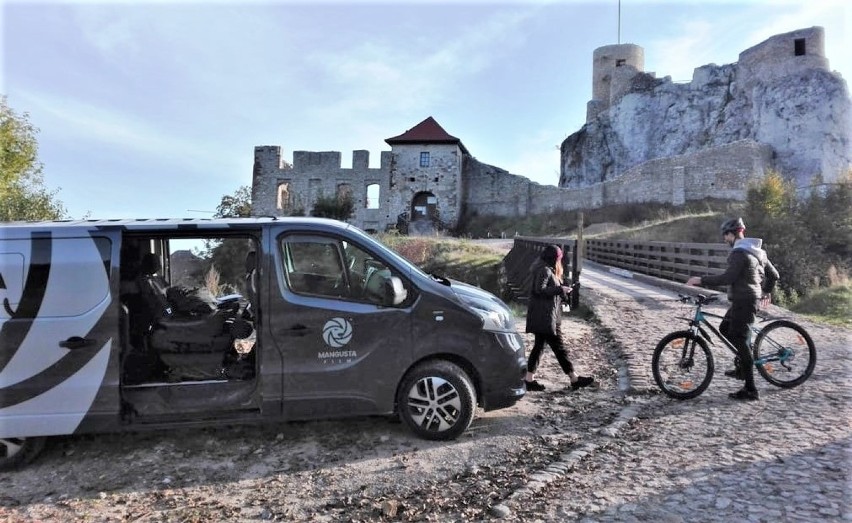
column 337, row 332
column 46, row 388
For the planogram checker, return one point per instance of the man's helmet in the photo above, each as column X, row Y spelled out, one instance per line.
column 733, row 225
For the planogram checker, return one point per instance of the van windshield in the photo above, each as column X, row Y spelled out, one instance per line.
column 387, row 251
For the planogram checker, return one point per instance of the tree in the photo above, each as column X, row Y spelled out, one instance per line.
column 237, row 205
column 223, row 259
column 807, row 237
column 22, row 192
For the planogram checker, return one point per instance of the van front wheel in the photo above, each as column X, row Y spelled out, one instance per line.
column 15, row 452
column 437, row 400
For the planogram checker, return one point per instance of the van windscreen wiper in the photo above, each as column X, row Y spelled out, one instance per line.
column 439, row 278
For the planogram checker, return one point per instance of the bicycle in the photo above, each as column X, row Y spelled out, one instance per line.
column 784, row 352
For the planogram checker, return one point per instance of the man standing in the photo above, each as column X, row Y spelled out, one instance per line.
column 750, row 278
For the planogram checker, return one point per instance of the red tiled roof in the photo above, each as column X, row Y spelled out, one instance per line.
column 427, row 131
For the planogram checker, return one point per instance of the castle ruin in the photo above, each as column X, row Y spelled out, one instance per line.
column 645, row 140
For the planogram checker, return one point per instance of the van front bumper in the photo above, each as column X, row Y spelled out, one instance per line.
column 503, row 379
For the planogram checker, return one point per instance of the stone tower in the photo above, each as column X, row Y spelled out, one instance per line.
column 426, row 176
column 612, row 68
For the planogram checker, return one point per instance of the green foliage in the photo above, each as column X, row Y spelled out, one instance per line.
column 224, row 260
column 807, row 237
column 22, row 192
column 340, row 207
column 237, row 205
column 831, row 305
column 772, row 198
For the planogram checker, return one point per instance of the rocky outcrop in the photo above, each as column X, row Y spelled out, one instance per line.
column 792, row 103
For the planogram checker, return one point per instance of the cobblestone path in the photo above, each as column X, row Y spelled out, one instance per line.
column 784, row 458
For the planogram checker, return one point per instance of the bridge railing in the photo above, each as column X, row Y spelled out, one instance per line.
column 525, row 251
column 666, row 260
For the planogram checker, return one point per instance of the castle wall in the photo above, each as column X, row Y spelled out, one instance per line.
column 718, row 172
column 280, row 189
column 777, row 56
column 315, row 174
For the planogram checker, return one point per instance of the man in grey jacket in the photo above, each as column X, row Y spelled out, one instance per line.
column 750, row 278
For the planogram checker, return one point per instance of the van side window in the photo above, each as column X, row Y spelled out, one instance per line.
column 314, row 266
column 333, row 268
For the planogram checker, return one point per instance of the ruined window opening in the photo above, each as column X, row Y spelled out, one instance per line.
column 799, row 46
column 620, row 61
column 344, row 190
column 283, row 198
column 424, row 159
column 411, row 179
column 373, row 194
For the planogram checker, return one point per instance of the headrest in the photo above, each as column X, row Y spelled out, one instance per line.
column 251, row 261
column 150, row 264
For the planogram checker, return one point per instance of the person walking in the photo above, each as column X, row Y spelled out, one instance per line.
column 544, row 318
column 750, row 278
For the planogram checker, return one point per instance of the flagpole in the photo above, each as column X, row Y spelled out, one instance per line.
column 619, row 21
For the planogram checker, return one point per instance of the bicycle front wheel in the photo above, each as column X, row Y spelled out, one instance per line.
column 682, row 365
column 784, row 354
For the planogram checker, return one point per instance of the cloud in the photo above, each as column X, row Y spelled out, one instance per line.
column 81, row 122
column 417, row 73
column 539, row 159
column 720, row 36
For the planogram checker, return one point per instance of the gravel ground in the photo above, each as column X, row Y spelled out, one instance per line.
column 360, row 469
column 598, row 454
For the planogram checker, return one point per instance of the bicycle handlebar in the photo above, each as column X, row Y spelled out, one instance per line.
column 698, row 299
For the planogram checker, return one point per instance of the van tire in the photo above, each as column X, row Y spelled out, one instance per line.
column 15, row 452
column 437, row 401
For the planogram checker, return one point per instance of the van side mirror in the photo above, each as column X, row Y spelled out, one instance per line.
column 385, row 289
column 395, row 292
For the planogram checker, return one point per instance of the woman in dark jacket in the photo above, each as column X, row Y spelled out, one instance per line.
column 544, row 317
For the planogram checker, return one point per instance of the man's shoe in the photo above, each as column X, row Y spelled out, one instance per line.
column 745, row 395
column 582, row 381
column 734, row 373
column 534, row 386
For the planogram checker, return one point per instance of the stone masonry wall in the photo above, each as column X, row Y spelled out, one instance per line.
column 719, row 172
column 399, row 178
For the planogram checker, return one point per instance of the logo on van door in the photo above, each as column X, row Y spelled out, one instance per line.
column 337, row 332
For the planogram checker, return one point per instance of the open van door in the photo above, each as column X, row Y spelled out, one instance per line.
column 192, row 351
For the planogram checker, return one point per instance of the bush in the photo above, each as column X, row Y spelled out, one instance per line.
column 806, row 236
column 340, row 207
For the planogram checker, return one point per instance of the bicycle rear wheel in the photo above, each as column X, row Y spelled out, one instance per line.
column 682, row 365
column 784, row 354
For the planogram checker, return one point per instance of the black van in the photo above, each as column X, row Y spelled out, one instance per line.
column 111, row 325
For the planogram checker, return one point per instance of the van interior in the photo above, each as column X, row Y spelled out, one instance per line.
column 187, row 309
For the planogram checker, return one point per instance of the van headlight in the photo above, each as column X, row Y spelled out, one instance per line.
column 494, row 317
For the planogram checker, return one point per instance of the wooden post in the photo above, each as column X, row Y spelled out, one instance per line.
column 577, row 265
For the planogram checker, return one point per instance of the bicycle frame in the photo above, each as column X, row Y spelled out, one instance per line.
column 700, row 319
column 683, row 365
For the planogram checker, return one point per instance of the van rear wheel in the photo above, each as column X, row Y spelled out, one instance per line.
column 437, row 400
column 15, row 452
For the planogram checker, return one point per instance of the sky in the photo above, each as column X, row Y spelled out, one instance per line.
column 152, row 109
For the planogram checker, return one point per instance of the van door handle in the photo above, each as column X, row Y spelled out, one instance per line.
column 299, row 330
column 76, row 342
